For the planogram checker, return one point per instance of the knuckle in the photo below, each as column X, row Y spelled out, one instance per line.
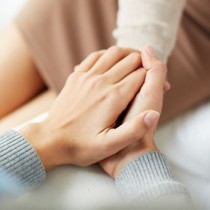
column 95, row 54
column 70, row 77
column 115, row 50
column 76, row 74
column 139, row 76
column 104, row 78
column 85, row 77
column 92, row 54
column 115, row 90
column 135, row 57
column 142, row 71
column 76, row 68
column 161, row 66
column 97, row 81
column 113, row 96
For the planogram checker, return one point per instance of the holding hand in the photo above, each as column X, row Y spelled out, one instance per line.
column 149, row 97
column 80, row 128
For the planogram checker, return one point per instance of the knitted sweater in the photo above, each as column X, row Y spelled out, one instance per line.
column 143, row 180
column 154, row 22
column 20, row 162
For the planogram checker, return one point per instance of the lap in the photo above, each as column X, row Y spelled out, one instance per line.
column 69, row 31
column 188, row 65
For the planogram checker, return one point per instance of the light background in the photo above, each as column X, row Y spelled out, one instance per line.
column 8, row 10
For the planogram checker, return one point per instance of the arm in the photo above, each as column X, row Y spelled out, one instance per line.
column 142, row 173
column 80, row 130
column 149, row 179
column 155, row 22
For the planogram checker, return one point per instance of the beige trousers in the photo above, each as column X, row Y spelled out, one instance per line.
column 61, row 33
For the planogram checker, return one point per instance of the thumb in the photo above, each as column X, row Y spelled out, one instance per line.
column 155, row 78
column 149, row 58
column 130, row 131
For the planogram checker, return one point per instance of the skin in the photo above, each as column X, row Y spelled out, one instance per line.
column 82, row 130
column 149, row 97
column 75, row 132
column 20, row 75
column 28, row 111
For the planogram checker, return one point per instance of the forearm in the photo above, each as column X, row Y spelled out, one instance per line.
column 155, row 22
column 149, row 180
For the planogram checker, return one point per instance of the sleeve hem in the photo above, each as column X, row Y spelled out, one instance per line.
column 20, row 160
column 148, row 178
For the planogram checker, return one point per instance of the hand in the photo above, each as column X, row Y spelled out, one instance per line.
column 80, row 128
column 149, row 97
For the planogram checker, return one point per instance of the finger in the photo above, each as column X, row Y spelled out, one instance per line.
column 88, row 62
column 131, row 85
column 110, row 58
column 130, row 131
column 156, row 73
column 151, row 94
column 166, row 86
column 150, row 59
column 127, row 65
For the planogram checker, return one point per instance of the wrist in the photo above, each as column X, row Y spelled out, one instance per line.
column 129, row 156
column 42, row 142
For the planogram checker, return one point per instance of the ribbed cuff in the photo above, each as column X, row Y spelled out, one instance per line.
column 20, row 160
column 148, row 178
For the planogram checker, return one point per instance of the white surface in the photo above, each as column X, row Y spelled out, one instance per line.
column 186, row 143
column 75, row 187
column 8, row 10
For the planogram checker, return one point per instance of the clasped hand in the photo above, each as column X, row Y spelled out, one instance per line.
column 82, row 128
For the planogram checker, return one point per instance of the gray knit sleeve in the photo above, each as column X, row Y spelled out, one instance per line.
column 20, row 161
column 149, row 180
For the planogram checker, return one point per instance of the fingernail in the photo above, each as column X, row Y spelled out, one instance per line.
column 151, row 118
column 149, row 50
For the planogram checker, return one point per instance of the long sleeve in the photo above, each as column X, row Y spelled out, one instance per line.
column 155, row 22
column 19, row 164
column 149, row 181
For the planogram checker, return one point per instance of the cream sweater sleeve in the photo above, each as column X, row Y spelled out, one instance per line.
column 154, row 22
